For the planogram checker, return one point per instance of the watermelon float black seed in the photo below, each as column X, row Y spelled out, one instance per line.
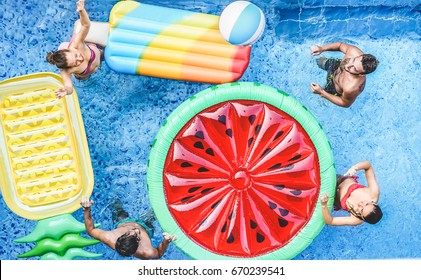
column 199, row 145
column 272, row 205
column 230, row 239
column 253, row 224
column 259, row 238
column 296, row 192
column 205, row 191
column 186, row 164
column 185, row 199
column 222, row 119
column 209, row 151
column 288, row 167
column 250, row 141
column 192, row 190
column 295, row 158
column 279, row 134
column 224, row 227
column 200, row 135
column 215, row 204
column 282, row 222
column 276, row 166
column 280, row 187
column 265, row 152
column 283, row 212
column 231, row 215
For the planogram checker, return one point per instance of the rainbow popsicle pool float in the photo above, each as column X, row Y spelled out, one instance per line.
column 169, row 43
column 45, row 166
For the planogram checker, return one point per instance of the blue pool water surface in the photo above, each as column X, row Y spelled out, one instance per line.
column 123, row 113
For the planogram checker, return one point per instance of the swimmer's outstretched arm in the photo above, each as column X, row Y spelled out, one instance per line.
column 325, row 211
column 96, row 233
column 336, row 46
column 164, row 244
column 86, row 204
column 67, row 89
column 78, row 43
column 85, row 22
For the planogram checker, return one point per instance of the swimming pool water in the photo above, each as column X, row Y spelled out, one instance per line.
column 123, row 113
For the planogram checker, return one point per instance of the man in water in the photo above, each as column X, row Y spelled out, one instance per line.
column 131, row 237
column 346, row 77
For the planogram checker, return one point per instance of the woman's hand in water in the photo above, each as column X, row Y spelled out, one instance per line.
column 61, row 92
column 80, row 5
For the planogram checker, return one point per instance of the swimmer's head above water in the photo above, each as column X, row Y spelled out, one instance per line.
column 361, row 65
column 64, row 59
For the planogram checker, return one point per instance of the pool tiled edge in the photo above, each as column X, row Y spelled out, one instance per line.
column 348, row 20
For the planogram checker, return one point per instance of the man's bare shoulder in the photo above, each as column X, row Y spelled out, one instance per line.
column 353, row 51
column 109, row 237
column 146, row 251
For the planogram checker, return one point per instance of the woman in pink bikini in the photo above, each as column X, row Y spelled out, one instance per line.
column 358, row 200
column 79, row 59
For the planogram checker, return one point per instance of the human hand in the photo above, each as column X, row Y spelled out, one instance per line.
column 86, row 203
column 324, row 199
column 61, row 92
column 80, row 5
column 316, row 88
column 169, row 237
column 315, row 50
column 351, row 171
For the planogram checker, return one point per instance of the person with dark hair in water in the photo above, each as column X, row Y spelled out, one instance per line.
column 346, row 77
column 78, row 59
column 360, row 201
column 131, row 237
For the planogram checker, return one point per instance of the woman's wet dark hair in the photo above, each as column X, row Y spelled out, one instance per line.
column 58, row 58
column 126, row 245
column 369, row 63
column 375, row 216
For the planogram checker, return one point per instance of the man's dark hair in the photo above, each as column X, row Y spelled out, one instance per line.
column 126, row 245
column 374, row 216
column 369, row 63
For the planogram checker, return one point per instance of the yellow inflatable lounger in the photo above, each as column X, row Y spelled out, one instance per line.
column 168, row 43
column 45, row 165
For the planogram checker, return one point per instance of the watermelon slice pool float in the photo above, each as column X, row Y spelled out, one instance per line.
column 237, row 170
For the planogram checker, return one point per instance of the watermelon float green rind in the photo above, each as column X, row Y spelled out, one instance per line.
column 222, row 93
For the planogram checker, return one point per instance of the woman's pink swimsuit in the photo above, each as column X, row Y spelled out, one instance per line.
column 91, row 59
